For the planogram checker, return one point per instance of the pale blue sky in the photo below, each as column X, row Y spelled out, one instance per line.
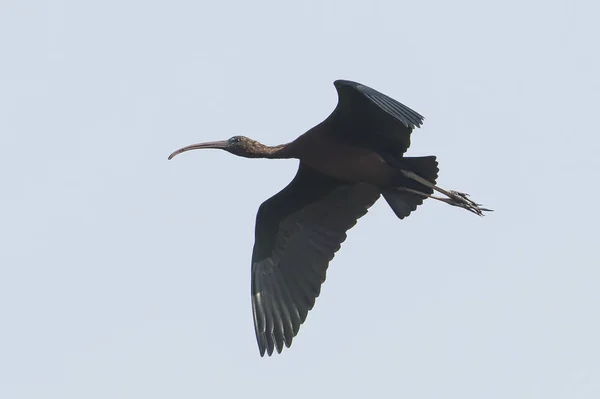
column 126, row 275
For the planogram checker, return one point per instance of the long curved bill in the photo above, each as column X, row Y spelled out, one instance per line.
column 221, row 145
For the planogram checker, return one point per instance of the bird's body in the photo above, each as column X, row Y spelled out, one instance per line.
column 340, row 159
column 346, row 163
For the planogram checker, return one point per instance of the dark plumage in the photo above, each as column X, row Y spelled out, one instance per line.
column 346, row 163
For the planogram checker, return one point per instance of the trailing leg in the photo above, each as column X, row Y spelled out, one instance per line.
column 455, row 198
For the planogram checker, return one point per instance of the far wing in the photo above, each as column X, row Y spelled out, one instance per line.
column 371, row 119
column 298, row 232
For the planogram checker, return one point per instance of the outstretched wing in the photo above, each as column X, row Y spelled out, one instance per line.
column 371, row 119
column 298, row 232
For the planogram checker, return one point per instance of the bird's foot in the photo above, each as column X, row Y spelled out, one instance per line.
column 462, row 200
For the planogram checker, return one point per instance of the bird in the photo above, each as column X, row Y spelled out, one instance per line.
column 346, row 162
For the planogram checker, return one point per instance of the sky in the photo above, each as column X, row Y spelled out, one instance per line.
column 126, row 275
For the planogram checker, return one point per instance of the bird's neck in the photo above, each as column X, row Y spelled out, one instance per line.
column 269, row 152
column 277, row 152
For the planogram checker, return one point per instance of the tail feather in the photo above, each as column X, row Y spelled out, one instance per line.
column 403, row 203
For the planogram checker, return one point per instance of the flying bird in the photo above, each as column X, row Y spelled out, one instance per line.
column 346, row 163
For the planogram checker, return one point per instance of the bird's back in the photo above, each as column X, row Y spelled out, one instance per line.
column 341, row 159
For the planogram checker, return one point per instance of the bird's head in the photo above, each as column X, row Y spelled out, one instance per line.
column 238, row 145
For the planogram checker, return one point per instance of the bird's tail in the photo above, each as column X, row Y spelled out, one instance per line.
column 402, row 202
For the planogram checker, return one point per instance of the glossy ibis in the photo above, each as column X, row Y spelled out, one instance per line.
column 346, row 162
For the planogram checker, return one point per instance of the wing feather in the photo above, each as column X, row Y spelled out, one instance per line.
column 371, row 119
column 298, row 232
